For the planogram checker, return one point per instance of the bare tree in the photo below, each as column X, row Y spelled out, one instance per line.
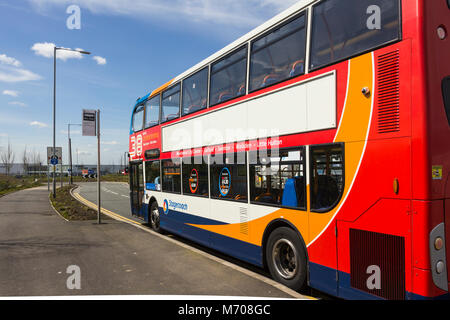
column 25, row 161
column 7, row 158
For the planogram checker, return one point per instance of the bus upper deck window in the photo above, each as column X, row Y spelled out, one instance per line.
column 138, row 118
column 279, row 54
column 152, row 112
column 341, row 29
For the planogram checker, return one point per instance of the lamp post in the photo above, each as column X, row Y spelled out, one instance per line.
column 70, row 151
column 54, row 106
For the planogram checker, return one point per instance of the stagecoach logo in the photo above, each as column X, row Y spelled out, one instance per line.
column 166, row 207
column 174, row 206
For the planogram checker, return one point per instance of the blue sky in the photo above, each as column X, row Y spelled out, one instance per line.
column 139, row 45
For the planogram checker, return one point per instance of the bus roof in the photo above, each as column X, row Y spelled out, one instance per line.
column 297, row 7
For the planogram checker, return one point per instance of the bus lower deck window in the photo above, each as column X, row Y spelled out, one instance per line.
column 195, row 176
column 326, row 176
column 229, row 176
column 171, row 176
column 278, row 177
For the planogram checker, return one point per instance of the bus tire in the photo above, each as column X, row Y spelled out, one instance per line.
column 154, row 217
column 286, row 258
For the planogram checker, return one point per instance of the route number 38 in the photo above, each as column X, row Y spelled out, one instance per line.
column 136, row 146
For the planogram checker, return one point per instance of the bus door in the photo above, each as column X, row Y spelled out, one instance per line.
column 136, row 174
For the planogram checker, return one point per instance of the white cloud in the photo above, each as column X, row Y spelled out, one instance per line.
column 11, row 71
column 17, row 103
column 4, row 59
column 99, row 60
column 112, row 143
column 11, row 74
column 230, row 13
column 84, row 153
column 46, row 49
column 11, row 93
column 38, row 124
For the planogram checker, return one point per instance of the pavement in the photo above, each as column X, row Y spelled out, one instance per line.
column 39, row 249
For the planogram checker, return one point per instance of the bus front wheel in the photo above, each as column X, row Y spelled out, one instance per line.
column 286, row 258
column 154, row 216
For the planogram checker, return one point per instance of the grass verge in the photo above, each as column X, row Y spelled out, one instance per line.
column 71, row 209
column 10, row 184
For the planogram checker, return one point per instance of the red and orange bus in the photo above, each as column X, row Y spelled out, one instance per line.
column 316, row 146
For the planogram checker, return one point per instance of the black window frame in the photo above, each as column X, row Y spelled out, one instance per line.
column 142, row 104
column 303, row 152
column 273, row 29
column 211, row 166
column 159, row 111
column 208, row 80
column 211, row 73
column 162, row 175
column 162, row 99
column 358, row 53
column 311, row 168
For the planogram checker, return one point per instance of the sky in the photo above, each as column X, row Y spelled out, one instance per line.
column 136, row 46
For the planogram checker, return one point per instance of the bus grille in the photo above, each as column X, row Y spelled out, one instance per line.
column 388, row 92
column 379, row 255
column 244, row 220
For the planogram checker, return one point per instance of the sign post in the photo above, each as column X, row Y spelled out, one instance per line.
column 91, row 128
column 98, row 168
column 53, row 158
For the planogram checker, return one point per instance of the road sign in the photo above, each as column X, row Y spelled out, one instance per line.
column 54, row 160
column 57, row 153
column 89, row 122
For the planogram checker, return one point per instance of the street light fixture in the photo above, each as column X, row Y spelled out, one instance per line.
column 54, row 105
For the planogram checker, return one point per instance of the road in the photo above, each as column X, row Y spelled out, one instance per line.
column 37, row 247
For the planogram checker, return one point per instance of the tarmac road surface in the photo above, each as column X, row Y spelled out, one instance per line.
column 38, row 248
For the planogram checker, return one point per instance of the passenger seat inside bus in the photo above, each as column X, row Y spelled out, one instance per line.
column 270, row 79
column 298, row 67
column 195, row 107
column 293, row 193
column 225, row 95
column 241, row 90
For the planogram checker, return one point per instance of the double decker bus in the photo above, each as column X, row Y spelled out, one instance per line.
column 316, row 146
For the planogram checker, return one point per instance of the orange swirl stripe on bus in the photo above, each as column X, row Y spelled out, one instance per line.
column 353, row 129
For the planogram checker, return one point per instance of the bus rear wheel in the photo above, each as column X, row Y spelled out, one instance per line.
column 286, row 258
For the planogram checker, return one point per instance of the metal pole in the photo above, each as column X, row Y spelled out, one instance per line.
column 98, row 169
column 54, row 118
column 70, row 162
